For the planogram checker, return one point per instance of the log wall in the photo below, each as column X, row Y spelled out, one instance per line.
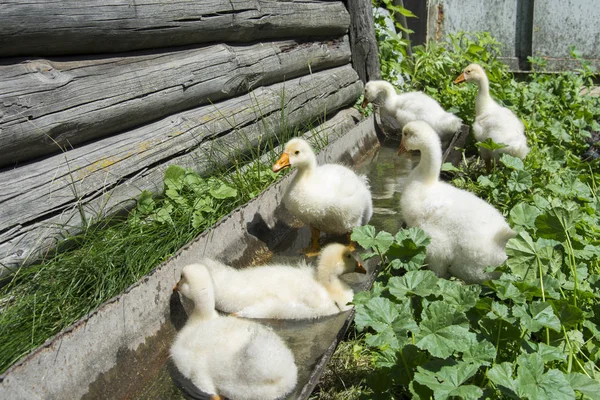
column 98, row 98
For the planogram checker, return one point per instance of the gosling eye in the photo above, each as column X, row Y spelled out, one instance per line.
column 297, row 152
column 348, row 256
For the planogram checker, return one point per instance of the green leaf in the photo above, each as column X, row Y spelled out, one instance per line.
column 421, row 283
column 501, row 376
column 522, row 255
column 145, row 203
column 198, row 219
column 550, row 353
column 391, row 321
column 223, row 192
column 524, row 214
column 443, row 330
column 409, row 248
column 449, row 167
column 482, row 352
column 539, row 315
column 534, row 384
column 489, row 144
column 570, row 316
column 519, row 181
column 556, row 223
column 174, row 177
column 463, row 297
column 365, row 236
column 448, row 381
column 583, row 384
column 485, row 181
column 512, row 162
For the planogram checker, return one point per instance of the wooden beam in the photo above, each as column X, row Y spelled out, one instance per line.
column 365, row 52
column 49, row 105
column 46, row 200
column 41, row 27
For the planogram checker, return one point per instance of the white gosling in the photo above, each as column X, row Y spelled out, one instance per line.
column 494, row 121
column 467, row 234
column 227, row 356
column 329, row 198
column 396, row 110
column 282, row 291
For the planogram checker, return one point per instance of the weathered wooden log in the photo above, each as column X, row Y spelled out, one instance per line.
column 41, row 27
column 365, row 52
column 46, row 106
column 42, row 201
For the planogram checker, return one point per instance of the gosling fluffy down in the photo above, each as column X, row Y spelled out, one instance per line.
column 329, row 197
column 282, row 291
column 228, row 356
column 396, row 110
column 494, row 121
column 467, row 234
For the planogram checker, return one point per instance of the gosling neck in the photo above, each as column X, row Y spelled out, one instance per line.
column 307, row 168
column 428, row 170
column 331, row 281
column 483, row 95
column 204, row 306
column 385, row 92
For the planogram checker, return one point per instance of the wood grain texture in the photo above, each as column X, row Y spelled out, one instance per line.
column 365, row 51
column 45, row 200
column 42, row 27
column 46, row 106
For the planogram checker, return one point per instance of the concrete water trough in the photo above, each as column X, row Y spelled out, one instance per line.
column 121, row 351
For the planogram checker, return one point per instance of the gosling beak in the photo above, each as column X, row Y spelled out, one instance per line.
column 365, row 103
column 402, row 149
column 359, row 268
column 283, row 162
column 176, row 287
column 461, row 78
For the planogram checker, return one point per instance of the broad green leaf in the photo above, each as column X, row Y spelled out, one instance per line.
column 365, row 236
column 556, row 223
column 570, row 316
column 550, row 353
column 198, row 219
column 409, row 248
column 449, row 167
column 588, row 386
column 501, row 376
column 391, row 322
column 223, row 192
column 519, row 181
column 480, row 351
column 485, row 181
column 174, row 177
column 448, row 381
column 464, row 297
column 523, row 214
column 538, row 315
column 535, row 385
column 421, row 283
column 163, row 214
column 489, row 144
column 512, row 162
column 145, row 203
column 522, row 253
column 443, row 330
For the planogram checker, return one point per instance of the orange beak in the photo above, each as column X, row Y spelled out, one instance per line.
column 176, row 287
column 359, row 268
column 365, row 103
column 283, row 162
column 461, row 78
column 402, row 149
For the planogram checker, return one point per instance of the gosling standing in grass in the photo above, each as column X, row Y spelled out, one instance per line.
column 282, row 291
column 467, row 234
column 492, row 121
column 228, row 357
column 329, row 198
